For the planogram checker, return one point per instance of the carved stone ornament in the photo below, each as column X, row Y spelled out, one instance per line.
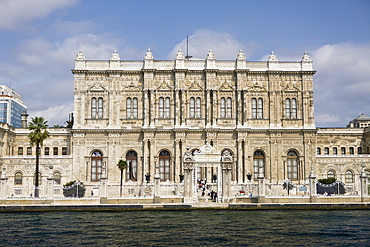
column 149, row 54
column 306, row 57
column 180, row 55
column 115, row 56
column 210, row 55
column 241, row 56
column 207, row 149
column 80, row 56
column 273, row 57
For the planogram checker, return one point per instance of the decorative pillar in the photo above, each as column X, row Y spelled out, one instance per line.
column 363, row 180
column 312, row 181
column 156, row 196
column 103, row 186
column 188, row 178
column 3, row 184
column 50, row 184
column 261, row 186
column 226, row 161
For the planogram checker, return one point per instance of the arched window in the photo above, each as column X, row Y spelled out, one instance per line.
column 167, row 112
column 47, row 151
column 57, row 177
column 161, row 107
column 343, row 150
column 349, row 176
column 128, row 108
column 96, row 165
column 223, row 107
column 229, row 108
column 55, row 151
column 131, row 173
column 164, row 165
column 326, row 150
column 29, row 151
column 260, row 108
column 351, row 150
column 132, row 108
column 192, row 107
column 97, row 107
column 18, row 178
column 287, row 108
column 258, row 163
column 20, row 151
column 318, row 150
column 198, row 112
column 359, row 150
column 93, row 108
column 100, row 107
column 254, row 108
column 291, row 108
column 335, row 150
column 331, row 174
column 292, row 165
column 294, row 108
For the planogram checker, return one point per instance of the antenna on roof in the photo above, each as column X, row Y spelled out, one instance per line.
column 187, row 46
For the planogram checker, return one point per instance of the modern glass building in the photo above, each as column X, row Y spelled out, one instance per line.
column 11, row 107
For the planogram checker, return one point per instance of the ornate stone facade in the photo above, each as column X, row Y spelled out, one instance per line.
column 150, row 112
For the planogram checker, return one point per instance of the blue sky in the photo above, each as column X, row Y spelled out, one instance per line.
column 40, row 39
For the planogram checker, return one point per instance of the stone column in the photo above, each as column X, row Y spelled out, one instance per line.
column 261, row 186
column 50, row 185
column 103, row 187
column 3, row 184
column 226, row 182
column 156, row 196
column 363, row 180
column 312, row 179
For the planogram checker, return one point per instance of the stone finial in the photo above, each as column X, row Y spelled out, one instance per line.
column 210, row 55
column 149, row 54
column 180, row 55
column 241, row 55
column 80, row 56
column 273, row 57
column 115, row 56
column 306, row 57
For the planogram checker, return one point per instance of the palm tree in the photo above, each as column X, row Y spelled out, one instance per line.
column 38, row 134
column 122, row 165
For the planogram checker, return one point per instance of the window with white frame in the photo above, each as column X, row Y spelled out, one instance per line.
column 195, row 107
column 349, row 176
column 132, row 107
column 258, row 163
column 226, row 107
column 291, row 108
column 257, row 108
column 292, row 165
column 164, row 107
column 97, row 107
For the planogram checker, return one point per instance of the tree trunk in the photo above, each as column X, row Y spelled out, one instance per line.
column 37, row 171
column 120, row 187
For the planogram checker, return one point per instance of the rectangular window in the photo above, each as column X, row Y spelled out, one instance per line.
column 343, row 150
column 64, row 151
column 55, row 151
column 47, row 151
column 96, row 168
column 292, row 168
column 335, row 150
column 29, row 151
column 20, row 151
column 351, row 150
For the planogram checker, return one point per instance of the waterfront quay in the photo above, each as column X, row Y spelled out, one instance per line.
column 182, row 206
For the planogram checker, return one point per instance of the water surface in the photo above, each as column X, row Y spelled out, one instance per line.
column 187, row 228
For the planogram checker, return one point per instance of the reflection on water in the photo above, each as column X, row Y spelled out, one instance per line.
column 187, row 228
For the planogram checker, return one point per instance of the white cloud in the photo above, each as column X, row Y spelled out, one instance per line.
column 223, row 45
column 15, row 14
column 342, row 82
column 46, row 81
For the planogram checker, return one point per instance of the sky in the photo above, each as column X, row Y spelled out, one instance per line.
column 39, row 40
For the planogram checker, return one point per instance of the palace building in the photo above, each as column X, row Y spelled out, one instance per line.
column 151, row 112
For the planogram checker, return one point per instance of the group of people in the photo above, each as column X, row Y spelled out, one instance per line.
column 202, row 186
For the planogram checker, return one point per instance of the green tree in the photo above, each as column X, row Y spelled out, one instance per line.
column 38, row 134
column 122, row 165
